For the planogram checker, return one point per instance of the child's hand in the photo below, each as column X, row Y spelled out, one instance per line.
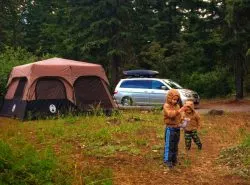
column 182, row 109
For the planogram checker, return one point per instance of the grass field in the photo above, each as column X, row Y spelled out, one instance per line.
column 126, row 148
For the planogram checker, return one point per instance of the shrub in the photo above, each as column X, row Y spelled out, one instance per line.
column 211, row 84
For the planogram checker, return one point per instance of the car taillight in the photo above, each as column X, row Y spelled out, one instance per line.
column 115, row 92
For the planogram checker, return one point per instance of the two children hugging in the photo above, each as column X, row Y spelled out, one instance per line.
column 173, row 117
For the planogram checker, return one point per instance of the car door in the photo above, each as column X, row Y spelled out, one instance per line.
column 140, row 92
column 158, row 92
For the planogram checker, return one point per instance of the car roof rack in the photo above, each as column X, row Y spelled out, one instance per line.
column 140, row 73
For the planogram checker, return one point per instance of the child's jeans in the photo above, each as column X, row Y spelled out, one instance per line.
column 189, row 135
column 172, row 137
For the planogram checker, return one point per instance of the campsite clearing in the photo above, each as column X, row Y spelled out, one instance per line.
column 126, row 149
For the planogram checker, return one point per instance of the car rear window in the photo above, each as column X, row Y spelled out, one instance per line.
column 139, row 84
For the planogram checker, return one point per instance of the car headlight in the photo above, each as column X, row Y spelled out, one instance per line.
column 188, row 95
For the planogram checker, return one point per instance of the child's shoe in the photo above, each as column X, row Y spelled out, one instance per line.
column 175, row 162
column 169, row 164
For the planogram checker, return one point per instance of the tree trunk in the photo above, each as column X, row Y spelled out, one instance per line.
column 115, row 71
column 239, row 77
column 172, row 20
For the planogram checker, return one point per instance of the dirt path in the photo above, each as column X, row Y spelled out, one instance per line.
column 227, row 106
column 196, row 168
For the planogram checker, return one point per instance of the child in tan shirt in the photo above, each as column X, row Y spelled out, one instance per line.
column 172, row 119
column 190, row 130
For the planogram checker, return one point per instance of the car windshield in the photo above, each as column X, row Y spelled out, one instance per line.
column 173, row 84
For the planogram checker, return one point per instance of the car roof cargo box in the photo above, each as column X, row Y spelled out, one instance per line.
column 140, row 73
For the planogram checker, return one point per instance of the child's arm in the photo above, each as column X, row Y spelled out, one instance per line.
column 198, row 119
column 170, row 112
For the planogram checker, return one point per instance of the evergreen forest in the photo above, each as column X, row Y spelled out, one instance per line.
column 201, row 44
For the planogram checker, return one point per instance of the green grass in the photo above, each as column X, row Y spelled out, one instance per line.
column 237, row 158
column 40, row 148
column 203, row 132
column 246, row 141
column 56, row 151
column 100, row 176
column 28, row 166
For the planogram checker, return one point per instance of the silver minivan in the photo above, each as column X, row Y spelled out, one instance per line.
column 149, row 91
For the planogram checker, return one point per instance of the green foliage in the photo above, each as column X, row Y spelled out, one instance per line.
column 10, row 58
column 103, row 135
column 237, row 158
column 187, row 163
column 216, row 83
column 26, row 166
column 203, row 132
column 248, row 53
column 98, row 176
column 183, row 40
column 141, row 142
column 246, row 141
column 151, row 56
column 237, row 39
column 5, row 156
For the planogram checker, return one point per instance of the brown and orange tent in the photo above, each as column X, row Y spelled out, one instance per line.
column 55, row 85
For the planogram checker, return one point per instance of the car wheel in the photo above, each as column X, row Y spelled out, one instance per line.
column 127, row 101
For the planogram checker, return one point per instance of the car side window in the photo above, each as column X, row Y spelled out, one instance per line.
column 139, row 84
column 127, row 84
column 143, row 84
column 157, row 84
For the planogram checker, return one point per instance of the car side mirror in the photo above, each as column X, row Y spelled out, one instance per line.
column 164, row 87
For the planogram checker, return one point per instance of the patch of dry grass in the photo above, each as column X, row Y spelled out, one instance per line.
column 121, row 140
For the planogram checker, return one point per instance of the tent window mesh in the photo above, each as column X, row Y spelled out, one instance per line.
column 50, row 88
column 90, row 92
column 20, row 88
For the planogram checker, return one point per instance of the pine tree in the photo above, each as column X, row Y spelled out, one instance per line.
column 237, row 39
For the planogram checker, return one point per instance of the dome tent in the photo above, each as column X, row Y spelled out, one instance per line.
column 55, row 85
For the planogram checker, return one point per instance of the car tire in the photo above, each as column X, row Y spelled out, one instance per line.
column 127, row 101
